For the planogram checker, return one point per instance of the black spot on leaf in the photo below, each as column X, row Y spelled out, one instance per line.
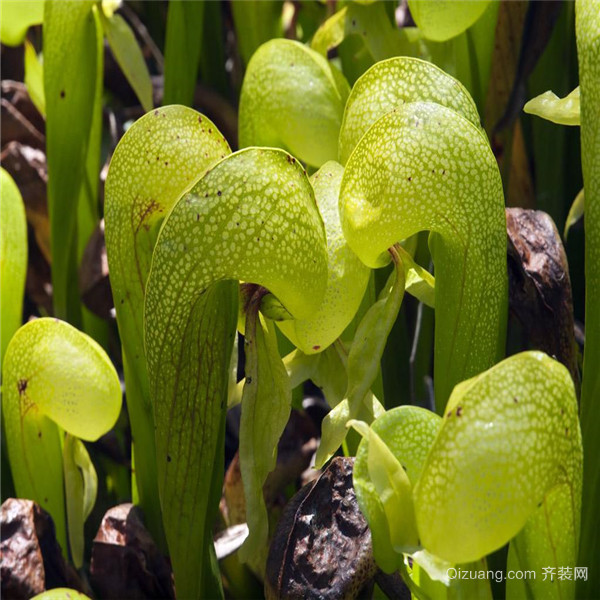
column 22, row 386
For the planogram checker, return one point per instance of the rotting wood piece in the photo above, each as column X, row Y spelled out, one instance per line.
column 539, row 285
column 125, row 561
column 322, row 546
column 31, row 559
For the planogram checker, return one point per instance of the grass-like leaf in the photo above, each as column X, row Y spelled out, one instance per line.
column 70, row 64
column 129, row 56
column 13, row 258
column 183, row 47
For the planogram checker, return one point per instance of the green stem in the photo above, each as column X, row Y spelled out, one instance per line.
column 588, row 49
column 144, row 454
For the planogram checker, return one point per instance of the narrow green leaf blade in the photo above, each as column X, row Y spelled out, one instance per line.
column 419, row 282
column 88, row 215
column 70, row 64
column 129, row 57
column 13, row 258
column 331, row 33
column 575, row 212
column 266, row 406
column 371, row 22
column 408, row 432
column 278, row 109
column 256, row 22
column 363, row 364
column 81, row 488
column 330, row 374
column 34, row 78
column 393, row 488
column 183, row 47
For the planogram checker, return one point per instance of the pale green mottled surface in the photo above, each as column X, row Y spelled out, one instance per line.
column 440, row 20
column 506, row 454
column 252, row 217
column 347, row 275
column 425, row 167
column 550, row 538
column 53, row 374
column 157, row 160
column 508, row 437
column 392, row 83
column 161, row 155
column 294, row 99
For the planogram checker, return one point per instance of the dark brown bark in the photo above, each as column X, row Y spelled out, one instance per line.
column 539, row 285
